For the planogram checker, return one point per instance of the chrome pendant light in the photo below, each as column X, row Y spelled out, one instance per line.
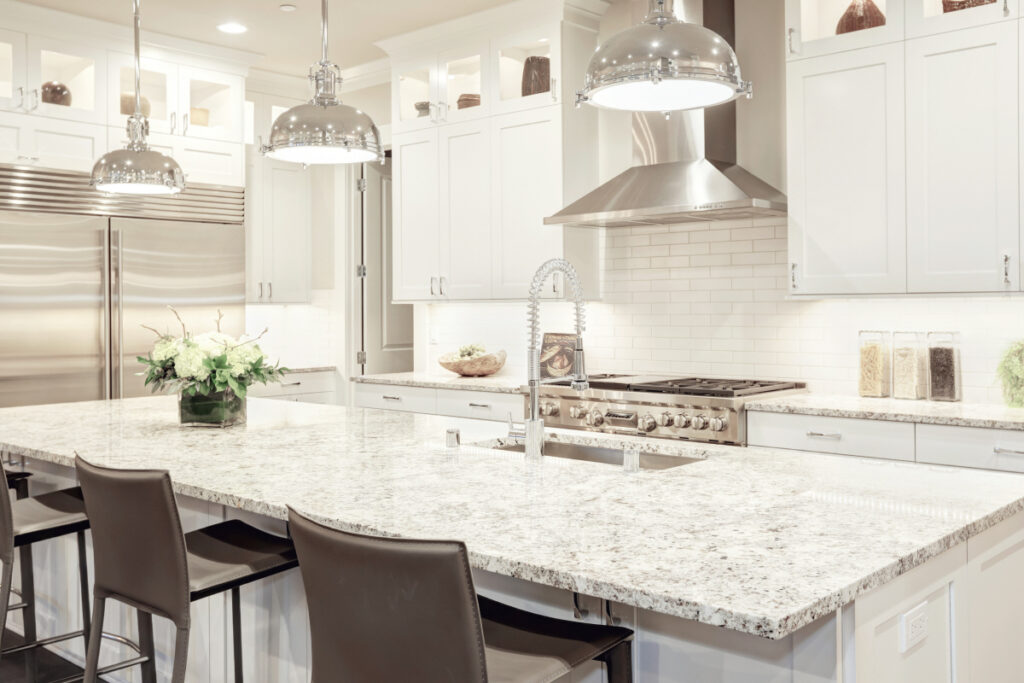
column 324, row 131
column 663, row 64
column 137, row 169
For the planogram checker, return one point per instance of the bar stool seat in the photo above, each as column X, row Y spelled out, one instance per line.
column 19, row 482
column 47, row 516
column 231, row 554
column 524, row 646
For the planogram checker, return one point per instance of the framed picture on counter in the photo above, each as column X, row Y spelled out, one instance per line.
column 557, row 355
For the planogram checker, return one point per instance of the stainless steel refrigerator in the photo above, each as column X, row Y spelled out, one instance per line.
column 76, row 290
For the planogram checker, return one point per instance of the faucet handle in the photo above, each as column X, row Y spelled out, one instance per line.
column 580, row 385
column 515, row 433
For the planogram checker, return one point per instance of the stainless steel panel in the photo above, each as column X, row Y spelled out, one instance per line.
column 27, row 188
column 52, row 308
column 199, row 268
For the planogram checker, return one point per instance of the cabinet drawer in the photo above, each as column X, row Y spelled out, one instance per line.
column 990, row 449
column 297, row 383
column 480, row 405
column 388, row 397
column 323, row 398
column 839, row 435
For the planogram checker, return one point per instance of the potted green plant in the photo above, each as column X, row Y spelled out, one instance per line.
column 211, row 373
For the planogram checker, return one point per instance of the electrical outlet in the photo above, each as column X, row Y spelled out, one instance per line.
column 913, row 626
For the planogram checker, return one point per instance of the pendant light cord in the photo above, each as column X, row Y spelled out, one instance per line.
column 323, row 54
column 138, row 64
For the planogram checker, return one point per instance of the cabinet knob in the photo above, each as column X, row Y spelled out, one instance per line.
column 174, row 121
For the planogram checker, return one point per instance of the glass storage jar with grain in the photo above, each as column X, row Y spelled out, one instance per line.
column 909, row 366
column 944, row 381
column 875, row 366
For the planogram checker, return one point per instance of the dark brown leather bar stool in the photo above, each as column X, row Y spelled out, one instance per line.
column 384, row 609
column 25, row 521
column 143, row 559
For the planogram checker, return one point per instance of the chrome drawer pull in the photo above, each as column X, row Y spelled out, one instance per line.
column 821, row 435
column 392, row 398
column 290, row 384
column 479, row 405
column 999, row 450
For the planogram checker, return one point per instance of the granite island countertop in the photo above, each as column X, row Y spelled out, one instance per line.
column 894, row 410
column 755, row 540
column 500, row 383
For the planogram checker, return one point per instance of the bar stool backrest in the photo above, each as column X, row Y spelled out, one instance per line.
column 139, row 546
column 384, row 609
column 6, row 519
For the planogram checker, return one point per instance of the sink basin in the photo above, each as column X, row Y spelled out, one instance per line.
column 605, row 456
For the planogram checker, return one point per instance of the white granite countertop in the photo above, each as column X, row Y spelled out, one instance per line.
column 754, row 540
column 500, row 383
column 895, row 410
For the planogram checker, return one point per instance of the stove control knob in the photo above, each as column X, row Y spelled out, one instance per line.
column 595, row 418
column 719, row 424
column 577, row 412
column 700, row 422
column 665, row 420
column 548, row 409
column 647, row 424
column 682, row 421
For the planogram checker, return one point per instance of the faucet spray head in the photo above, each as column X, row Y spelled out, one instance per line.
column 579, row 366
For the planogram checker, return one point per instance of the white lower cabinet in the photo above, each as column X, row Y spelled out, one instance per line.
column 989, row 449
column 394, row 397
column 837, row 435
column 304, row 387
column 477, row 405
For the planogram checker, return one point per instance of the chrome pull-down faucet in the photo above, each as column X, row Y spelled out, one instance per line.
column 533, row 433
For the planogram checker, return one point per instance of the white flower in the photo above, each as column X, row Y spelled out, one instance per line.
column 188, row 364
column 214, row 343
column 166, row 348
column 242, row 356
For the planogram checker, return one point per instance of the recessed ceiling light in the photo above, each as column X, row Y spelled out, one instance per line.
column 288, row 7
column 232, row 27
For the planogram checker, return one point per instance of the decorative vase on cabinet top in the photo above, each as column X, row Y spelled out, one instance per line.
column 55, row 92
column 860, row 15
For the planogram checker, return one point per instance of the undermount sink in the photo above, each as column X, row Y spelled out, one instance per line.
column 605, row 456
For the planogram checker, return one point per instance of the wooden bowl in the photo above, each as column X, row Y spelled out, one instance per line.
column 481, row 366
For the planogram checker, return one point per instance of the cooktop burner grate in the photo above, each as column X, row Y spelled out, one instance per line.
column 697, row 386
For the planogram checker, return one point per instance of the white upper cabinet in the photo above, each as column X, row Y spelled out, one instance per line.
column 820, row 27
column 159, row 89
column 444, row 87
column 12, row 70
column 210, row 104
column 526, row 68
column 526, row 153
column 465, row 184
column 963, row 160
column 847, row 172
column 928, row 17
column 66, row 80
column 416, row 227
column 50, row 143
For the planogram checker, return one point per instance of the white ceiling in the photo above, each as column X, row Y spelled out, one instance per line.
column 290, row 42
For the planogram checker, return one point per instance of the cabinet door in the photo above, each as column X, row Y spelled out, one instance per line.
column 526, row 186
column 13, row 138
column 465, row 211
column 75, row 76
column 210, row 104
column 287, row 196
column 464, row 86
column 12, row 70
column 212, row 162
column 67, row 145
column 525, row 68
column 416, row 229
column 962, row 160
column 928, row 17
column 812, row 25
column 414, row 96
column 254, row 242
column 159, row 88
column 847, row 225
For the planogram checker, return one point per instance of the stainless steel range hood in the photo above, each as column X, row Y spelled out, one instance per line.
column 686, row 165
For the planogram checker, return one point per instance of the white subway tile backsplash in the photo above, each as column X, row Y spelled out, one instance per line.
column 710, row 298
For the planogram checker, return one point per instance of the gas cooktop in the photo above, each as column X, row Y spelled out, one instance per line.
column 692, row 408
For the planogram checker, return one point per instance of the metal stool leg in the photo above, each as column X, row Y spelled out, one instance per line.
column 83, row 580
column 92, row 657
column 6, row 576
column 236, row 628
column 619, row 662
column 146, row 645
column 180, row 656
column 28, row 615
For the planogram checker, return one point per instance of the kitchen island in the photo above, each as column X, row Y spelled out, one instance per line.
column 754, row 564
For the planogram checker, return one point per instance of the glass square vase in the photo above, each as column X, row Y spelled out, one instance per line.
column 219, row 409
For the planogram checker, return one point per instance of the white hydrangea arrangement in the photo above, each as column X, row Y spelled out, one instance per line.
column 207, row 363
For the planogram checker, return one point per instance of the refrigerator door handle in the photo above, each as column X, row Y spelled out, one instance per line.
column 105, row 328
column 117, row 310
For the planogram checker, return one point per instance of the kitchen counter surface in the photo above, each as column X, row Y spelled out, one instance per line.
column 894, row 410
column 754, row 540
column 503, row 384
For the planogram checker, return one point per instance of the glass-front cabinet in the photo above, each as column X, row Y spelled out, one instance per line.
column 12, row 70
column 158, row 86
column 414, row 94
column 526, row 66
column 210, row 104
column 928, row 17
column 451, row 87
column 65, row 80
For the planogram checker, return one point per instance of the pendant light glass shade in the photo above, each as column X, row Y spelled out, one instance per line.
column 663, row 65
column 137, row 169
column 324, row 131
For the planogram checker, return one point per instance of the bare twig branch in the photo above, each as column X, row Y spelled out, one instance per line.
column 155, row 331
column 184, row 330
column 254, row 339
column 220, row 316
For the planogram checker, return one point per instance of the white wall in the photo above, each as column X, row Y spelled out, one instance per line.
column 709, row 299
